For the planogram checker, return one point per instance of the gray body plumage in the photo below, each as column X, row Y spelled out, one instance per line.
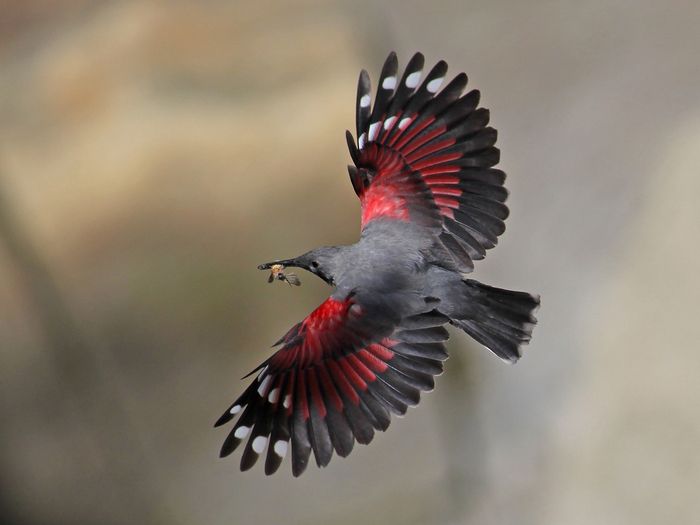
column 433, row 203
column 392, row 271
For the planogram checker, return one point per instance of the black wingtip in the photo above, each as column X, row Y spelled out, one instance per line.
column 272, row 465
column 362, row 104
column 248, row 460
column 229, row 446
column 354, row 152
column 417, row 56
column 259, row 367
column 364, row 79
column 355, row 180
column 225, row 418
column 299, row 466
column 363, row 85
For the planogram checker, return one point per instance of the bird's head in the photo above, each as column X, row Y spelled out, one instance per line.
column 321, row 261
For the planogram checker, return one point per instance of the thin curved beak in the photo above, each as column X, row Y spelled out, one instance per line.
column 284, row 262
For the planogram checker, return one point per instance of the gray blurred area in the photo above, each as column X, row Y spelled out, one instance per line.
column 152, row 154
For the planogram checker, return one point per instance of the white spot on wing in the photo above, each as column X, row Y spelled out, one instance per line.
column 361, row 140
column 262, row 373
column 365, row 100
column 404, row 122
column 274, row 395
column 241, row 432
column 280, row 448
column 434, row 84
column 373, row 129
column 262, row 389
column 413, row 79
column 259, row 444
column 287, row 401
column 389, row 122
column 389, row 83
column 235, row 409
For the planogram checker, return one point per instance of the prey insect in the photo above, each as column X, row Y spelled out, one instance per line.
column 277, row 272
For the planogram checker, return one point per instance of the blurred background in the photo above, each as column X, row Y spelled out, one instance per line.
column 153, row 153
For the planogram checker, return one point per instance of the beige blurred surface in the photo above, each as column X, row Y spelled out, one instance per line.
column 152, row 154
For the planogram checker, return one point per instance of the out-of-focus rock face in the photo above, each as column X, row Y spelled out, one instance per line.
column 141, row 98
column 154, row 153
column 627, row 442
column 139, row 136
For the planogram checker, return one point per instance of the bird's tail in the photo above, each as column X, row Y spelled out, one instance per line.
column 501, row 320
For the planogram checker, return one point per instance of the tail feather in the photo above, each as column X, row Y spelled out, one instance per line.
column 501, row 320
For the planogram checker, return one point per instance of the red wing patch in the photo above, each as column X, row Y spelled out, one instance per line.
column 424, row 148
column 383, row 201
column 392, row 190
column 328, row 387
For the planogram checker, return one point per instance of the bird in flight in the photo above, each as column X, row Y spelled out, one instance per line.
column 432, row 204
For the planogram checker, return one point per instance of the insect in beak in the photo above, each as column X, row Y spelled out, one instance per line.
column 277, row 272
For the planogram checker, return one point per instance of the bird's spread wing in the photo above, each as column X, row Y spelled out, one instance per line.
column 427, row 156
column 336, row 379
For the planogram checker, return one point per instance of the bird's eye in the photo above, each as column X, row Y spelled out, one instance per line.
column 314, row 264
